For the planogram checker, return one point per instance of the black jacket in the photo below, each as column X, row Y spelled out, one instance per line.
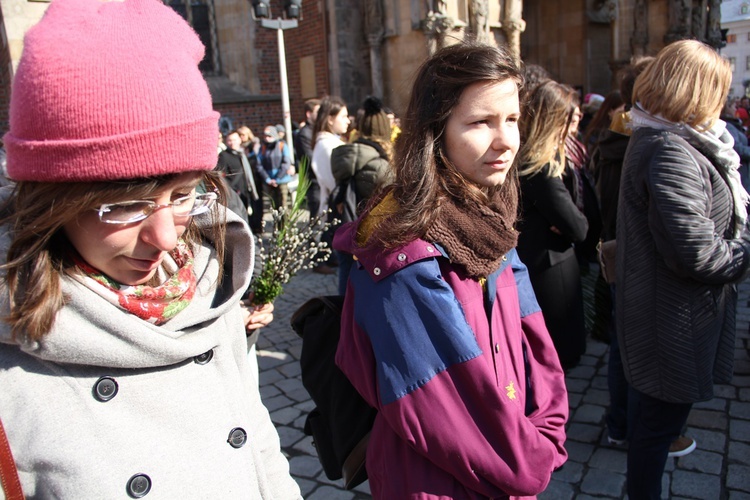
column 677, row 263
column 606, row 164
column 547, row 203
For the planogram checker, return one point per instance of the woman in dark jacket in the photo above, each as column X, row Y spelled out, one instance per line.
column 360, row 168
column 551, row 222
column 681, row 248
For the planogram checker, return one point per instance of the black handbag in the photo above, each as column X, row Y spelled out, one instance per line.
column 340, row 424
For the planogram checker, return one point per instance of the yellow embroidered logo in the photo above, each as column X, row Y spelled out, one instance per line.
column 511, row 390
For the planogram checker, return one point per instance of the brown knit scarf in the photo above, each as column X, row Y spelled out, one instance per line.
column 475, row 236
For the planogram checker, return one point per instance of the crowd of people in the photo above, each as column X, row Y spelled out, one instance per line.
column 463, row 236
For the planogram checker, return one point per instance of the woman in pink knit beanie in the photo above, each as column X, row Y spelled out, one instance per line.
column 123, row 354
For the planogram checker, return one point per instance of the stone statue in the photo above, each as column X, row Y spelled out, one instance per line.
column 604, row 11
column 479, row 24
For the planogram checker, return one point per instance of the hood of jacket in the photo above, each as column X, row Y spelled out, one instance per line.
column 89, row 330
column 612, row 145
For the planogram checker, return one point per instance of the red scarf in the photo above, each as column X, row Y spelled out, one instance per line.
column 155, row 304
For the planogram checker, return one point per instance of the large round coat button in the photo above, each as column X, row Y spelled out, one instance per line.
column 237, row 437
column 139, row 486
column 204, row 358
column 105, row 389
column 376, row 271
column 401, row 257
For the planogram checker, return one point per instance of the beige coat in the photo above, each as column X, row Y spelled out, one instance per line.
column 186, row 420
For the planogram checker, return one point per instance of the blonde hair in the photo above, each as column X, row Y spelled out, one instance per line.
column 544, row 124
column 245, row 130
column 39, row 252
column 686, row 83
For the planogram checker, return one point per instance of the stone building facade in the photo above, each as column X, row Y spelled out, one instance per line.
column 355, row 48
column 735, row 20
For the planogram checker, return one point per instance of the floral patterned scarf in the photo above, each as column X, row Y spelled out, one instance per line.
column 155, row 304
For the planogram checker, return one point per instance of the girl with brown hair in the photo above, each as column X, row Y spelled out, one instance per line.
column 439, row 312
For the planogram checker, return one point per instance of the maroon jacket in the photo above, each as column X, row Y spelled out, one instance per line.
column 470, row 395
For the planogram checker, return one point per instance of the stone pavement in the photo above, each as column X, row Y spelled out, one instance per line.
column 718, row 469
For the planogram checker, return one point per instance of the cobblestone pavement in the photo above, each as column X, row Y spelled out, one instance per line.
column 718, row 469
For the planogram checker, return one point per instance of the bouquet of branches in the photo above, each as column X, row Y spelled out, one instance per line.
column 294, row 244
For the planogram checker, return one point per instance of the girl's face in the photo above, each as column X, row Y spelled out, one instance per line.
column 575, row 120
column 481, row 134
column 339, row 124
column 131, row 253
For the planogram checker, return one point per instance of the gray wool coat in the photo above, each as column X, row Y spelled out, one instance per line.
column 677, row 269
column 110, row 406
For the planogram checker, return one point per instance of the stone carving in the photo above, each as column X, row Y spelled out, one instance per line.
column 374, row 21
column 680, row 17
column 604, row 11
column 435, row 25
column 375, row 29
column 479, row 24
column 713, row 37
column 639, row 40
column 513, row 25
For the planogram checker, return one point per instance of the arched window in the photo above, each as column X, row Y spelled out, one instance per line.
column 200, row 15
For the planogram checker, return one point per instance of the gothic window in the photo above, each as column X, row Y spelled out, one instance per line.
column 200, row 15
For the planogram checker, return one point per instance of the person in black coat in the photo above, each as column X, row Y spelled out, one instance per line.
column 682, row 247
column 237, row 172
column 551, row 223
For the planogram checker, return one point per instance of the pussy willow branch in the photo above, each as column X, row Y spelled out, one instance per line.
column 294, row 245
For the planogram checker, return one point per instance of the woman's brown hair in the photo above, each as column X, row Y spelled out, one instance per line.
column 38, row 253
column 424, row 177
column 330, row 106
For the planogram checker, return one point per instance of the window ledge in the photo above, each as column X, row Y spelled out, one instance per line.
column 225, row 91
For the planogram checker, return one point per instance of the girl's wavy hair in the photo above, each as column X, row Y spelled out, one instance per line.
column 423, row 176
column 38, row 253
column 545, row 121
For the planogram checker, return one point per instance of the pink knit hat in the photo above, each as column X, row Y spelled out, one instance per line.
column 109, row 90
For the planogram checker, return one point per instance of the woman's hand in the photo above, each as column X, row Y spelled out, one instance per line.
column 256, row 316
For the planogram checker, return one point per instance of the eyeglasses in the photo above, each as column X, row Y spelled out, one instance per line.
column 128, row 212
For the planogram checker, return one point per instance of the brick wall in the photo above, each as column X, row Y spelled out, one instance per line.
column 255, row 115
column 306, row 41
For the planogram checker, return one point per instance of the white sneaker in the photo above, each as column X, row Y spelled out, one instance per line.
column 616, row 442
column 681, row 446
